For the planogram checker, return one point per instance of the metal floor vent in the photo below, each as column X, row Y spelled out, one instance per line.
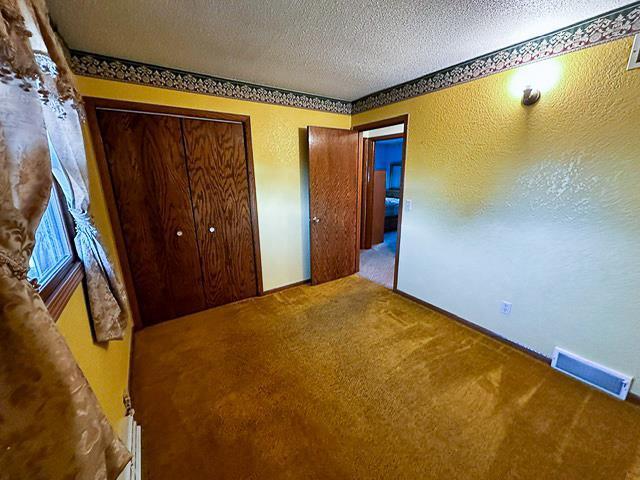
column 603, row 378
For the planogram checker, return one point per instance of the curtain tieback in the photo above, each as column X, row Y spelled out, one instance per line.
column 17, row 268
column 84, row 223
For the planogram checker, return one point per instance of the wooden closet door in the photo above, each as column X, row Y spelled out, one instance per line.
column 145, row 155
column 217, row 164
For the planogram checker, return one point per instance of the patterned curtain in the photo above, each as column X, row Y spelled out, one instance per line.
column 51, row 426
column 107, row 300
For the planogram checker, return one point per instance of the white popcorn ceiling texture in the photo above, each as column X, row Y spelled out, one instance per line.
column 342, row 49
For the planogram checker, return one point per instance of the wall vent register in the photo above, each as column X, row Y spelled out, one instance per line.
column 598, row 376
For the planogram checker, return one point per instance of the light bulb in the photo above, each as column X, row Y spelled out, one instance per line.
column 530, row 81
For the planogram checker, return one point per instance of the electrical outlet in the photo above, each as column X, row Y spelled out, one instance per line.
column 505, row 308
column 408, row 203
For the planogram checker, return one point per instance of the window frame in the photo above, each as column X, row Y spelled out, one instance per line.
column 57, row 292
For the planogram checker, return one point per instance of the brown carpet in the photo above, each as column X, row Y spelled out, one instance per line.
column 348, row 380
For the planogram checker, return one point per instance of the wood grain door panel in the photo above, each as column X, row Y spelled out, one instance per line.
column 217, row 165
column 145, row 156
column 379, row 197
column 333, row 202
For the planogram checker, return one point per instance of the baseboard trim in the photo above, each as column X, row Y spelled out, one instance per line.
column 478, row 328
column 631, row 397
column 286, row 287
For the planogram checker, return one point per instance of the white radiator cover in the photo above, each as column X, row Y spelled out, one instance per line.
column 598, row 376
column 131, row 435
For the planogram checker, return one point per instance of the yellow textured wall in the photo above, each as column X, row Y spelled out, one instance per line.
column 278, row 140
column 105, row 366
column 539, row 206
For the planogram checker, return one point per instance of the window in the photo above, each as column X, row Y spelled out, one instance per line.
column 53, row 266
column 53, row 249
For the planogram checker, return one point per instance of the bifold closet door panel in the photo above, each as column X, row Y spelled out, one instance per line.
column 217, row 165
column 145, row 156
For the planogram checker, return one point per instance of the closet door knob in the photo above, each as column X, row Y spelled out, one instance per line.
column 315, row 220
column 212, row 229
column 178, row 233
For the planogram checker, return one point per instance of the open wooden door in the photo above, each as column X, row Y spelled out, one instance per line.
column 333, row 203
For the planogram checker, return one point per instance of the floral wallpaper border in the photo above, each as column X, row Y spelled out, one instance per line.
column 100, row 66
column 610, row 26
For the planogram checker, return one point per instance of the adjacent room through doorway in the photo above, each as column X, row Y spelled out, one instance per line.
column 382, row 163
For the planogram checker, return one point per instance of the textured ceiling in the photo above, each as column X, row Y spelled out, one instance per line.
column 342, row 49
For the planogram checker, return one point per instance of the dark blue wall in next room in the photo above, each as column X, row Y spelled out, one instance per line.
column 389, row 152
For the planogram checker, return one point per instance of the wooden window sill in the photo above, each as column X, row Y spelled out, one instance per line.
column 58, row 297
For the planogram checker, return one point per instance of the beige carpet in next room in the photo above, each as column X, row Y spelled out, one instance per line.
column 348, row 380
column 378, row 262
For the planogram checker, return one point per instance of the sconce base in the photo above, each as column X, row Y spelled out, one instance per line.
column 530, row 96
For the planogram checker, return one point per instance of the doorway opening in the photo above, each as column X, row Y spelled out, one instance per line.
column 382, row 147
column 348, row 210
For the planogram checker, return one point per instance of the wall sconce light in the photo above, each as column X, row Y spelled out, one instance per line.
column 529, row 82
column 530, row 95
column 634, row 58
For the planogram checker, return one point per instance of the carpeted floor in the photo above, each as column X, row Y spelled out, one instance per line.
column 378, row 263
column 348, row 380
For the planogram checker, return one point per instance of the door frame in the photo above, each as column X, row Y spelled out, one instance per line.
column 368, row 169
column 366, row 194
column 401, row 119
column 92, row 104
